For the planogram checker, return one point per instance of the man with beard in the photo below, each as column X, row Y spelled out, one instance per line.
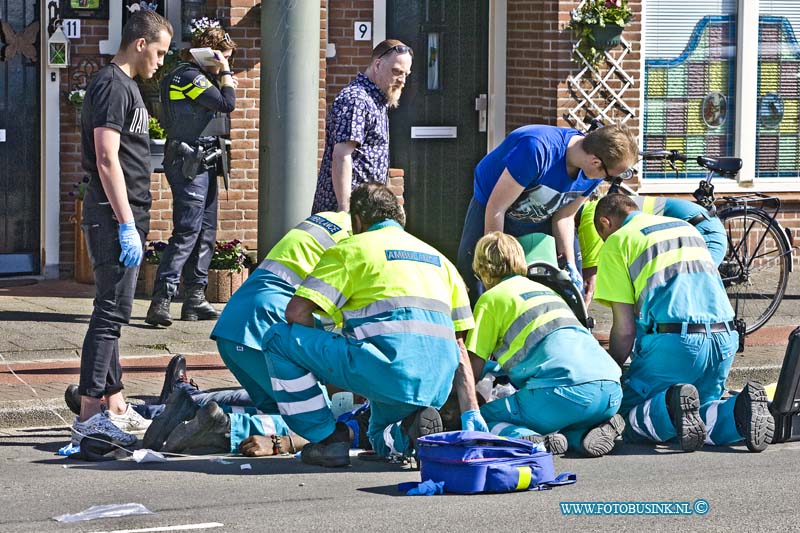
column 357, row 130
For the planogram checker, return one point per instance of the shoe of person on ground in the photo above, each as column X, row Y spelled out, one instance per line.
column 100, row 423
column 425, row 421
column 600, row 440
column 130, row 421
column 753, row 419
column 179, row 408
column 204, row 430
column 683, row 406
column 195, row 305
column 555, row 443
column 73, row 399
column 176, row 371
column 332, row 452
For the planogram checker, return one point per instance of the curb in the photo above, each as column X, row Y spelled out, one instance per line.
column 16, row 414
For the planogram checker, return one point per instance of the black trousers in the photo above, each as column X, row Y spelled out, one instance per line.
column 101, row 373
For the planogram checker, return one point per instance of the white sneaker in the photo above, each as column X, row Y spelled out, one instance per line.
column 130, row 420
column 99, row 423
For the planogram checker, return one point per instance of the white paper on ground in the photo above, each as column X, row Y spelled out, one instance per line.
column 148, row 456
column 113, row 510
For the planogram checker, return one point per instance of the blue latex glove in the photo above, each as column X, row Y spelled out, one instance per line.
column 575, row 277
column 427, row 488
column 131, row 245
column 473, row 421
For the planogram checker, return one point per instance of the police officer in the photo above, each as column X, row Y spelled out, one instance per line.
column 566, row 382
column 196, row 100
column 709, row 226
column 666, row 295
column 400, row 304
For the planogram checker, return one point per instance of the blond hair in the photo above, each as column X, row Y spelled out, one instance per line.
column 615, row 145
column 498, row 255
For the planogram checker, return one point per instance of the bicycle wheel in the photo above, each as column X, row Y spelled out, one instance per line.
column 755, row 270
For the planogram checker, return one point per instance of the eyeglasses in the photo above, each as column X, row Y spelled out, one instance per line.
column 628, row 174
column 400, row 49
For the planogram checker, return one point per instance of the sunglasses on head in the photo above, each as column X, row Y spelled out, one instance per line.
column 400, row 49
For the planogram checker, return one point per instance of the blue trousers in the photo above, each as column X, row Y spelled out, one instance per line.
column 228, row 397
column 474, row 223
column 101, row 372
column 665, row 359
column 571, row 410
column 194, row 219
column 250, row 368
column 298, row 356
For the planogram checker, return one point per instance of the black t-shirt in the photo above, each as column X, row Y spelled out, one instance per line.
column 113, row 101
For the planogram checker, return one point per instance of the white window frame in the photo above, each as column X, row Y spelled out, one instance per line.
column 746, row 116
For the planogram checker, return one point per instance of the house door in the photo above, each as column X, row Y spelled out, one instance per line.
column 437, row 136
column 19, row 137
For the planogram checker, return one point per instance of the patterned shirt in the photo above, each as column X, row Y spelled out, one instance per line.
column 359, row 114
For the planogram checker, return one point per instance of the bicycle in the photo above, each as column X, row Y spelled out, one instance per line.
column 755, row 270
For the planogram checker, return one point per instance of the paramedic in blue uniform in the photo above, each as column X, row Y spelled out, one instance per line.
column 665, row 293
column 400, row 304
column 710, row 228
column 565, row 381
column 195, row 102
column 535, row 181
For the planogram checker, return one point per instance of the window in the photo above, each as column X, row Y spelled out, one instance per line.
column 777, row 126
column 690, row 81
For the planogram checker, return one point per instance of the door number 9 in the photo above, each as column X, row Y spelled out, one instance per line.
column 362, row 31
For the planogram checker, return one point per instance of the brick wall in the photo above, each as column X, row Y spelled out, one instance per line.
column 352, row 56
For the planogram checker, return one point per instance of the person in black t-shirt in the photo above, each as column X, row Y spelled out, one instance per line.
column 196, row 100
column 116, row 218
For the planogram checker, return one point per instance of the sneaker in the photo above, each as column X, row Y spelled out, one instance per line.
column 204, row 430
column 179, row 408
column 555, row 443
column 129, row 421
column 425, row 421
column 753, row 419
column 683, row 406
column 176, row 371
column 600, row 440
column 99, row 423
column 73, row 399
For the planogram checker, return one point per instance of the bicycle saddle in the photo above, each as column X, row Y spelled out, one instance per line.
column 725, row 166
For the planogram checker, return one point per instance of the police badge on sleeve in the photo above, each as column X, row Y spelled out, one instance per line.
column 201, row 82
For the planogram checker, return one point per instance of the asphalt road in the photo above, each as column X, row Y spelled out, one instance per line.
column 745, row 492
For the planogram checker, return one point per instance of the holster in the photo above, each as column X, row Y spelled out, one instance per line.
column 190, row 157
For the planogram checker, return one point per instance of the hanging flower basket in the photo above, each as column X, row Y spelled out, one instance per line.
column 606, row 37
column 597, row 26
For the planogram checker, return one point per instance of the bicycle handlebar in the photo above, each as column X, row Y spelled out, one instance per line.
column 664, row 155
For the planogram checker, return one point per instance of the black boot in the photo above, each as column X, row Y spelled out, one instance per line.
column 158, row 313
column 195, row 306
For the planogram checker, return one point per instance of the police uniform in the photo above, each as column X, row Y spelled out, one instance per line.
column 684, row 324
column 193, row 116
column 566, row 382
column 261, row 303
column 710, row 227
column 399, row 302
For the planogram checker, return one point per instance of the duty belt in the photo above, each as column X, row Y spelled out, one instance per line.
column 695, row 220
column 677, row 327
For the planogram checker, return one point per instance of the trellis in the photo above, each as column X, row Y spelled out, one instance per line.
column 599, row 93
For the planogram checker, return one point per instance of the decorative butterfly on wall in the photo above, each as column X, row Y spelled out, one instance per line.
column 23, row 42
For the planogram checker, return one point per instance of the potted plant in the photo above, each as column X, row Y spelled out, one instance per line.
column 83, row 265
column 147, row 274
column 158, row 139
column 228, row 270
column 597, row 26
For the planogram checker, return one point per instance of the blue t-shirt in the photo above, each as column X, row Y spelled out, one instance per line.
column 536, row 157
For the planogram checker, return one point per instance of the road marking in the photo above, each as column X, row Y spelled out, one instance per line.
column 184, row 527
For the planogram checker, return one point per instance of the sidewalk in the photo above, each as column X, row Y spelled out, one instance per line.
column 42, row 325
